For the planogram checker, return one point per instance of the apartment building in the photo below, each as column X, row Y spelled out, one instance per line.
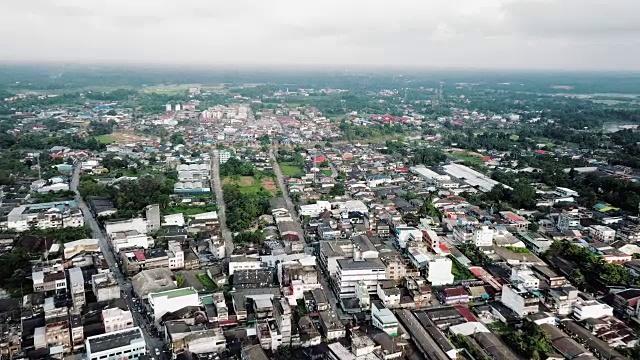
column 521, row 301
column 56, row 215
column 349, row 272
column 127, row 343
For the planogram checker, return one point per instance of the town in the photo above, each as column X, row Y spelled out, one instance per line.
column 395, row 218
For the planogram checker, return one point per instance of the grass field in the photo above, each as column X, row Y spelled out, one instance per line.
column 206, row 281
column 326, row 172
column 106, row 139
column 466, row 157
column 290, row 170
column 249, row 184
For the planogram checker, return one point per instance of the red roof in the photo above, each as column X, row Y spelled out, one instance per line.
column 464, row 311
column 320, row 159
column 541, row 152
column 139, row 255
column 403, row 169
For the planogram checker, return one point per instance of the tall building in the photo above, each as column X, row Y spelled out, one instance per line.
column 282, row 315
column 483, row 236
column 76, row 288
column 153, row 217
column 167, row 107
column 350, row 273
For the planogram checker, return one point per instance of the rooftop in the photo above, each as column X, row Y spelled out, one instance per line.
column 114, row 340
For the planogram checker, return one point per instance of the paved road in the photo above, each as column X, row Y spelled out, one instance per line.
column 222, row 209
column 285, row 192
column 89, row 219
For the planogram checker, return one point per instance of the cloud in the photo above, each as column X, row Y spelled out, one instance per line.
column 500, row 34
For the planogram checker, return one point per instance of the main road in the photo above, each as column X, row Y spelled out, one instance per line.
column 89, row 219
column 216, row 182
column 285, row 192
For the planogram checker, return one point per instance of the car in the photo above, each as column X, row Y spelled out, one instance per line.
column 157, row 351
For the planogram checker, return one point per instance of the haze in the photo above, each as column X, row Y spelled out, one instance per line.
column 491, row 34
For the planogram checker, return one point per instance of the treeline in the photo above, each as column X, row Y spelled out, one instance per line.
column 243, row 209
column 235, row 166
column 590, row 268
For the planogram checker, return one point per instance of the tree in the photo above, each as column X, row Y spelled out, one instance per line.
column 337, row 190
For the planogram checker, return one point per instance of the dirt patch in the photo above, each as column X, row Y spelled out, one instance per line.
column 269, row 184
column 245, row 181
column 127, row 138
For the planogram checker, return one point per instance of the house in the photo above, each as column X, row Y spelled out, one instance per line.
column 455, row 295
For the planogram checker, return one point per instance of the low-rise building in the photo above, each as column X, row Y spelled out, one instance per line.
column 50, row 215
column 172, row 300
column 127, row 343
column 383, row 319
column 602, row 233
column 331, row 325
column 116, row 319
column 522, row 301
column 105, row 286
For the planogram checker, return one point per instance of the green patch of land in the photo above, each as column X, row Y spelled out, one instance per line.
column 250, row 184
column 459, row 271
column 326, row 172
column 106, row 139
column 207, row 282
column 466, row 157
column 290, row 170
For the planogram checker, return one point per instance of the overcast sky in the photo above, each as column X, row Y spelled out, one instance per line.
column 500, row 34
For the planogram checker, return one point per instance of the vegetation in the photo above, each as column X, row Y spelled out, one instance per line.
column 189, row 209
column 530, row 341
column 235, row 166
column 61, row 235
column 207, row 282
column 591, row 266
column 290, row 170
column 249, row 237
column 474, row 254
column 244, row 208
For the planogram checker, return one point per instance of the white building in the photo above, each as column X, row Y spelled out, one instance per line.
column 350, row 272
column 120, row 242
column 383, row 319
column 406, row 234
column 76, row 287
column 591, row 309
column 172, row 300
column 224, row 156
column 243, row 263
column 128, row 343
column 314, row 210
column 176, row 255
column 521, row 301
column 116, row 319
column 567, row 221
column 602, row 233
column 482, row 236
column 438, row 267
column 523, row 275
column 105, row 286
column 138, row 224
column 45, row 216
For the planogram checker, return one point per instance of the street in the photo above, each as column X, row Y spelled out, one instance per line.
column 222, row 217
column 152, row 342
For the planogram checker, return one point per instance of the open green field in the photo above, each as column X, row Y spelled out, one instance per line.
column 466, row 157
column 326, row 172
column 206, row 281
column 249, row 184
column 290, row 170
column 106, row 139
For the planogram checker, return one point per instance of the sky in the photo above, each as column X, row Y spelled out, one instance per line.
column 475, row 34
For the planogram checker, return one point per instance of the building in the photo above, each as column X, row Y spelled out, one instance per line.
column 562, row 300
column 176, row 255
column 76, row 288
column 172, row 301
column 243, row 263
column 128, row 343
column 128, row 240
column 514, row 221
column 524, row 276
column 482, row 236
column 282, row 315
column 438, row 267
column 50, row 215
column 152, row 213
column 132, row 262
column 350, row 272
column 331, row 326
column 84, row 246
column 224, row 156
column 521, row 301
column 471, row 177
column 116, row 319
column 568, row 221
column 602, row 233
column 49, row 278
column 586, row 309
column 137, row 224
column 383, row 319
column 105, row 286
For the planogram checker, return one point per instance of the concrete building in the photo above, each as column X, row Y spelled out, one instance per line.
column 331, row 326
column 524, row 275
column 84, row 246
column 282, row 315
column 105, row 286
column 521, row 301
column 116, row 319
column 567, row 221
column 383, row 319
column 49, row 278
column 130, row 240
column 586, row 309
column 152, row 213
column 351, row 272
column 172, row 300
column 136, row 224
column 128, row 343
column 602, row 233
column 50, row 215
column 243, row 263
column 438, row 267
column 76, row 288
column 176, row 255
column 224, row 156
column 482, row 236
